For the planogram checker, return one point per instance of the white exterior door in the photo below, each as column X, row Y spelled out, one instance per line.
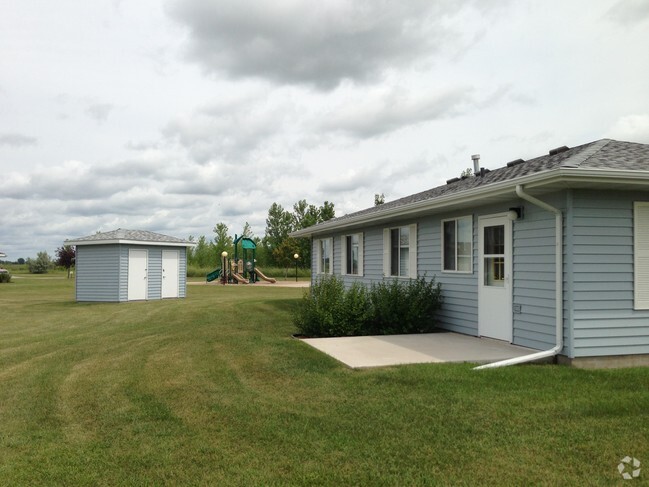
column 170, row 259
column 495, row 278
column 137, row 274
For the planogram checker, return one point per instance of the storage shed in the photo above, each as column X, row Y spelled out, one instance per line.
column 130, row 265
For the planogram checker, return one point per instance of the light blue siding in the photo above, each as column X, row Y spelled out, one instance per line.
column 603, row 319
column 154, row 273
column 534, row 276
column 97, row 273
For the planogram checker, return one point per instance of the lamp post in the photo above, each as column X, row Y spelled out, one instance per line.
column 296, row 257
column 224, row 263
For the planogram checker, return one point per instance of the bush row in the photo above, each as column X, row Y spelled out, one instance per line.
column 386, row 308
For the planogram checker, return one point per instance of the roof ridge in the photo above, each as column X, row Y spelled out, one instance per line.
column 589, row 151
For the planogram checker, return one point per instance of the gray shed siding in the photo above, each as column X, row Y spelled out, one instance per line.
column 102, row 271
column 97, row 276
column 601, row 276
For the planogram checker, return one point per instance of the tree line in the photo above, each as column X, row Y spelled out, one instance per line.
column 275, row 248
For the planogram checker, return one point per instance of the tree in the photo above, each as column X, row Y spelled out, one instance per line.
column 379, row 199
column 20, row 261
column 222, row 240
column 278, row 225
column 202, row 254
column 41, row 264
column 65, row 257
column 283, row 254
column 327, row 212
column 247, row 231
column 281, row 222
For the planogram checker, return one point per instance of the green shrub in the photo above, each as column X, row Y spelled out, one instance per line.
column 320, row 310
column 5, row 277
column 327, row 309
column 41, row 264
column 405, row 308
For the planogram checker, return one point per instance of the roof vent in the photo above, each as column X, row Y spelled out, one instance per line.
column 476, row 164
column 453, row 180
column 515, row 163
column 559, row 150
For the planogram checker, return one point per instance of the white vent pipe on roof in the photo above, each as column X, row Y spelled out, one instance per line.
column 476, row 164
column 558, row 219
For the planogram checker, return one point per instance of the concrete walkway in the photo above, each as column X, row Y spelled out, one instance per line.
column 378, row 351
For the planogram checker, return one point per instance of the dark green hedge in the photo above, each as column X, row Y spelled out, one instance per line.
column 387, row 308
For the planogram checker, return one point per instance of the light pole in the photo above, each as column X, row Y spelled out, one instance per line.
column 296, row 257
column 224, row 263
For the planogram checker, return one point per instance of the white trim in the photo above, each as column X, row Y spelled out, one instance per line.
column 386, row 252
column 343, row 254
column 641, row 255
column 443, row 246
column 412, row 251
column 319, row 269
column 361, row 247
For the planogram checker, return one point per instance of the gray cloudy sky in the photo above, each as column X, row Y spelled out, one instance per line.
column 171, row 116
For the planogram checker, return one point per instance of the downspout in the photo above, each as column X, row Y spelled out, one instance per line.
column 558, row 285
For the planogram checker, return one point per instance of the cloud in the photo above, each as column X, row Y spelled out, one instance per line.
column 383, row 112
column 314, row 43
column 99, row 111
column 17, row 140
column 74, row 180
column 629, row 12
column 634, row 128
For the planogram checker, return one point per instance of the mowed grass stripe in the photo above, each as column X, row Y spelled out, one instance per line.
column 212, row 389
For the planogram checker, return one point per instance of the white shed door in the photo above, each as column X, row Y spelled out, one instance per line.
column 137, row 274
column 170, row 273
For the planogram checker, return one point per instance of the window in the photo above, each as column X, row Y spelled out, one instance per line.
column 457, row 244
column 400, row 251
column 641, row 254
column 352, row 254
column 325, row 256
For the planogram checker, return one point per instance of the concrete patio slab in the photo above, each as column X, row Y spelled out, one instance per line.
column 379, row 351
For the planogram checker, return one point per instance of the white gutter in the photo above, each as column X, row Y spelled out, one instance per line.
column 558, row 284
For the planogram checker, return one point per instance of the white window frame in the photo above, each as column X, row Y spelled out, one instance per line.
column 641, row 255
column 456, row 253
column 344, row 254
column 412, row 251
column 330, row 242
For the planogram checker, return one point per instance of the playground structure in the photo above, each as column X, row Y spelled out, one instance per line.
column 240, row 269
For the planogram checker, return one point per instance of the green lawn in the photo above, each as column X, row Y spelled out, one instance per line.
column 212, row 390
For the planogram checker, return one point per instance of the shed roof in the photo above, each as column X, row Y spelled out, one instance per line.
column 603, row 163
column 124, row 236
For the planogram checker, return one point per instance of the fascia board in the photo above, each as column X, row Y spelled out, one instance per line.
column 562, row 175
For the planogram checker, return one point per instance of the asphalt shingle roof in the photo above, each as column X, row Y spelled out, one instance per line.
column 134, row 235
column 601, row 154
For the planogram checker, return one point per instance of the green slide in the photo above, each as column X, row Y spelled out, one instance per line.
column 213, row 275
